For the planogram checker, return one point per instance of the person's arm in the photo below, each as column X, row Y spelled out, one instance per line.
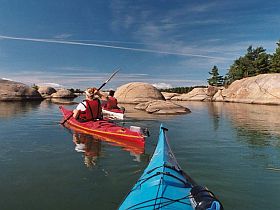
column 76, row 112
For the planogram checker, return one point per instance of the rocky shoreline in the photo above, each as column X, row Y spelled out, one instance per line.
column 261, row 89
column 16, row 91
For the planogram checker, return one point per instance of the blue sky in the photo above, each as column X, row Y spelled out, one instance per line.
column 169, row 42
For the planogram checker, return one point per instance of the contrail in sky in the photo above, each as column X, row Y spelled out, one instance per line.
column 107, row 46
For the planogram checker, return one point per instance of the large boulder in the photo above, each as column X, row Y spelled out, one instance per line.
column 212, row 90
column 137, row 92
column 46, row 91
column 261, row 89
column 162, row 107
column 16, row 91
column 63, row 93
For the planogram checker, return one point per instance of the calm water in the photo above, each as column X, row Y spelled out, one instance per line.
column 233, row 149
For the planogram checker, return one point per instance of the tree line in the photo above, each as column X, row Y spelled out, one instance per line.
column 181, row 89
column 256, row 61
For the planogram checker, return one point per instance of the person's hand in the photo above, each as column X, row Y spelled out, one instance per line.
column 96, row 92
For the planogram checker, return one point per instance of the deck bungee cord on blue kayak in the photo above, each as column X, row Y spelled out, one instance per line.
column 164, row 185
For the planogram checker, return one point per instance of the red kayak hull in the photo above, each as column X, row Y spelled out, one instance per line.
column 106, row 130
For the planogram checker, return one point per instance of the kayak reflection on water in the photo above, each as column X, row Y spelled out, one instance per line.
column 90, row 146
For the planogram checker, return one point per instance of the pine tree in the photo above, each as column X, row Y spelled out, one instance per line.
column 215, row 79
column 256, row 61
column 275, row 60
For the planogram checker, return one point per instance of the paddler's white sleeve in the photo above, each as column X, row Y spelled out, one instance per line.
column 81, row 106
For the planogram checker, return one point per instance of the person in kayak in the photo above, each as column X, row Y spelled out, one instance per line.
column 90, row 108
column 112, row 102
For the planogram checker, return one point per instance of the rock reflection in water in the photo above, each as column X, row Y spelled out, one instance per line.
column 263, row 118
column 15, row 108
column 256, row 122
column 260, row 124
column 215, row 111
column 63, row 101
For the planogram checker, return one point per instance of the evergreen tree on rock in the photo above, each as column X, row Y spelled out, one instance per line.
column 275, row 61
column 215, row 79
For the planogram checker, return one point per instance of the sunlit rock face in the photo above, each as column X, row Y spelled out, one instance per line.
column 15, row 91
column 137, row 92
column 63, row 93
column 261, row 89
column 162, row 107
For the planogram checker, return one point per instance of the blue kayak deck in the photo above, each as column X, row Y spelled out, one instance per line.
column 162, row 185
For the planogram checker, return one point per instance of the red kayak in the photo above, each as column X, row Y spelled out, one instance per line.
column 106, row 130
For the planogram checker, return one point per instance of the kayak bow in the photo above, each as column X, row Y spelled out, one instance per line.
column 164, row 185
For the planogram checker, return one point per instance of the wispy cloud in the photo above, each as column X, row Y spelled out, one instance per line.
column 108, row 41
column 202, row 7
column 62, row 36
column 162, row 85
column 109, row 46
column 50, row 84
column 6, row 79
column 170, row 31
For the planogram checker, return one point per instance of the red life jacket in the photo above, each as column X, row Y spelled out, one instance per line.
column 93, row 110
column 112, row 103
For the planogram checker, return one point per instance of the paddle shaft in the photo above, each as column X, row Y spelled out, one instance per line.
column 108, row 80
column 64, row 121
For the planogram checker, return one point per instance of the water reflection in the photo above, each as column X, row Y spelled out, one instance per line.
column 15, row 108
column 91, row 145
column 132, row 147
column 261, row 118
column 63, row 101
column 215, row 112
column 259, row 124
column 88, row 145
